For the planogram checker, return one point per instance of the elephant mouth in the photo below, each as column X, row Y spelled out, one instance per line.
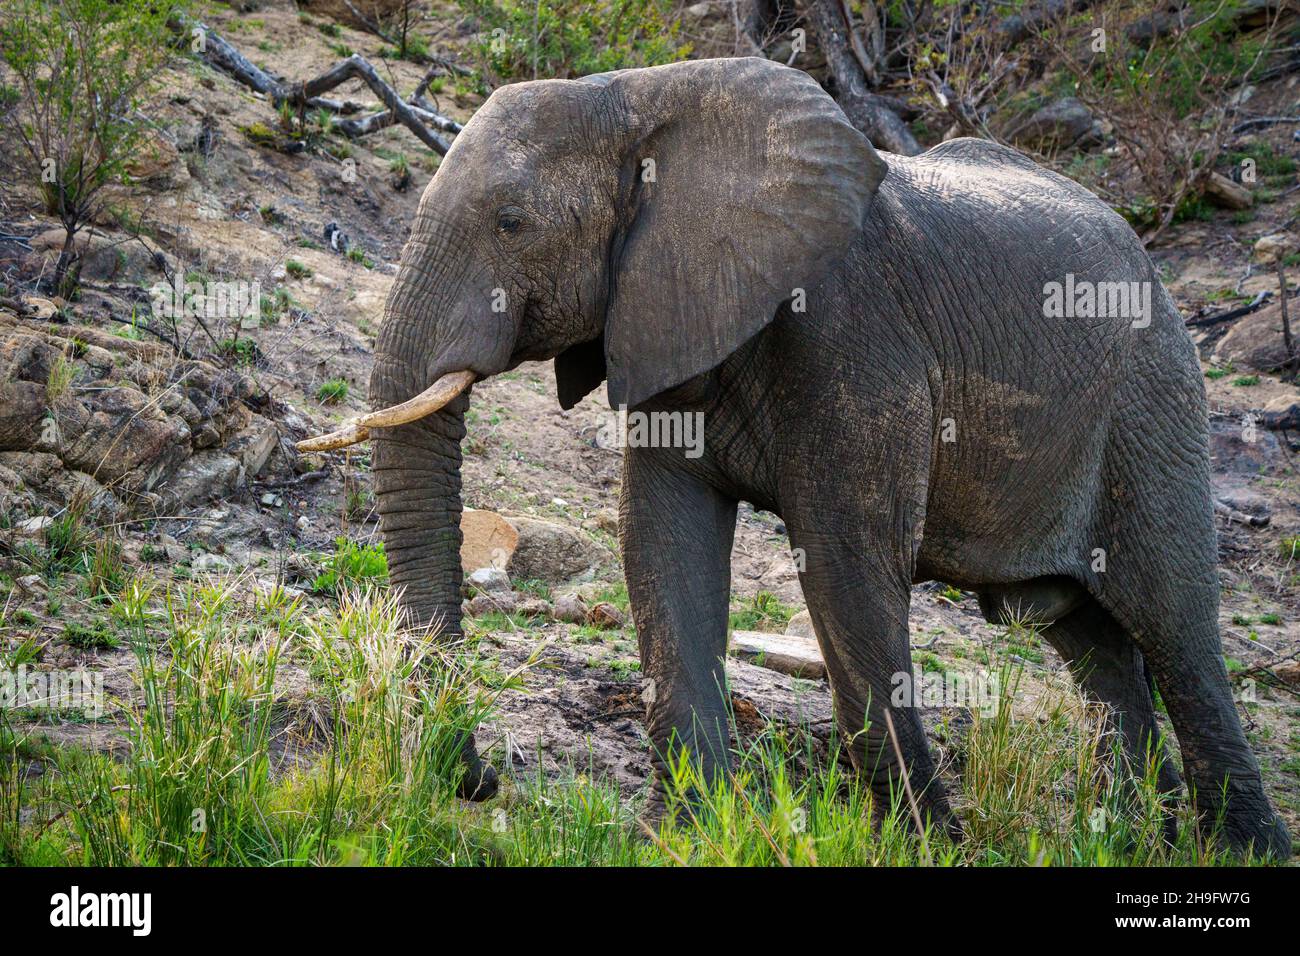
column 426, row 403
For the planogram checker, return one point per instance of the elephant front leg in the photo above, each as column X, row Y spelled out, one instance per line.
column 676, row 534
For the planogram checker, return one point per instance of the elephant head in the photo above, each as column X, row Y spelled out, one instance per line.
column 637, row 226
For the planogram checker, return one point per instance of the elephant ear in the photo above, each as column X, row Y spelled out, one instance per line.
column 745, row 182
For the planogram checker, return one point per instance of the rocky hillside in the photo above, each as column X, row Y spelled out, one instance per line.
column 137, row 452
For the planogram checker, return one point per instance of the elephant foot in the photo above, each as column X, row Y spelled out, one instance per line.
column 480, row 780
column 1268, row 837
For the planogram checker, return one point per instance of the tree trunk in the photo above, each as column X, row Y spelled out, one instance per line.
column 865, row 110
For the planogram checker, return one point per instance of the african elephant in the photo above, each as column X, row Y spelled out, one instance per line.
column 882, row 357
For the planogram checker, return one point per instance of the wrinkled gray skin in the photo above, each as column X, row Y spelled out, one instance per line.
column 924, row 281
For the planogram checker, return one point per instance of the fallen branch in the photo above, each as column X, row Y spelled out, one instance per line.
column 1284, row 421
column 1263, row 121
column 1255, row 305
column 356, row 67
column 419, row 119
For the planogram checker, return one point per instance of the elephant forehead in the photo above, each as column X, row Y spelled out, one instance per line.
column 551, row 113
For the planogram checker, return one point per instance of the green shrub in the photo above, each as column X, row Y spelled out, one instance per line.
column 762, row 612
column 332, row 392
column 526, row 39
column 69, row 143
column 352, row 563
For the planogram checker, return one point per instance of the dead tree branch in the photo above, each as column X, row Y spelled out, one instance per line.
column 867, row 111
column 418, row 117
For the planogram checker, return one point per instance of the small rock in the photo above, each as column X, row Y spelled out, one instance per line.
column 211, row 562
column 303, row 523
column 607, row 521
column 801, row 625
column 534, row 607
column 1269, row 249
column 34, row 525
column 30, row 584
column 503, row 602
column 492, row 580
column 605, row 616
column 272, row 500
column 571, row 608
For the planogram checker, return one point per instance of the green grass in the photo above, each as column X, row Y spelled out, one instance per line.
column 1246, row 381
column 371, row 775
column 298, row 270
column 89, row 636
column 352, row 564
column 762, row 612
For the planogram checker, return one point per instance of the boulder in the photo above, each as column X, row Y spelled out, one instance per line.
column 1269, row 249
column 157, row 163
column 208, row 475
column 253, row 445
column 605, row 616
column 489, row 580
column 787, row 653
column 551, row 552
column 1255, row 341
column 503, row 602
column 801, row 625
column 488, row 540
column 1059, row 125
column 534, row 607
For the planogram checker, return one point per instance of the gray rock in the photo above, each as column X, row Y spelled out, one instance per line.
column 504, row 602
column 1059, row 125
column 34, row 525
column 552, row 552
column 253, row 445
column 535, row 607
column 801, row 625
column 211, row 562
column 207, row 475
column 490, row 580
column 30, row 584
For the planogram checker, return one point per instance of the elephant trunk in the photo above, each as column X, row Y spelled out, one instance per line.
column 417, row 487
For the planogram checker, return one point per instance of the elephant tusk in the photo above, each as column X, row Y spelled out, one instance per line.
column 426, row 403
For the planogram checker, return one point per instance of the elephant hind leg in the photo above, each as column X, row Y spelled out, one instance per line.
column 1159, row 582
column 1108, row 666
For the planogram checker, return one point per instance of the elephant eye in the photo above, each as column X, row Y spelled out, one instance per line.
column 509, row 222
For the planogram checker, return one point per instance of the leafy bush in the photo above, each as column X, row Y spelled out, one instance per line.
column 79, row 68
column 332, row 392
column 527, row 39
